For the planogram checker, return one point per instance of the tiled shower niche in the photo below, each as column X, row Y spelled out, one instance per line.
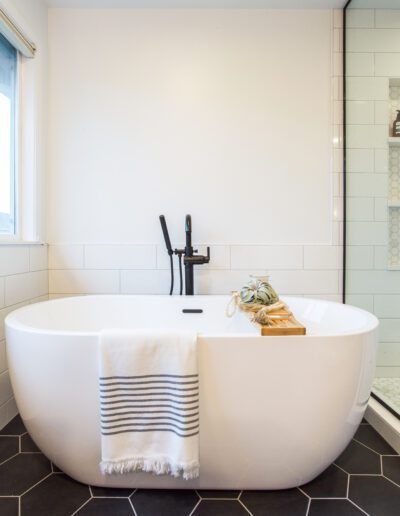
column 394, row 179
column 394, row 238
column 394, row 101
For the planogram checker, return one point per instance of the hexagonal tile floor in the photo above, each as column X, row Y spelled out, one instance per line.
column 364, row 480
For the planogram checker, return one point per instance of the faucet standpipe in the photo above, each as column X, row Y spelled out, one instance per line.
column 190, row 258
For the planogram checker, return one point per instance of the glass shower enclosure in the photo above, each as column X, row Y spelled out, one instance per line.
column 372, row 178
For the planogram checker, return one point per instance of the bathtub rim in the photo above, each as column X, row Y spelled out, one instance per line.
column 13, row 322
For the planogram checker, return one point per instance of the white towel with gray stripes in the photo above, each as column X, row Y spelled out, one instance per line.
column 149, row 402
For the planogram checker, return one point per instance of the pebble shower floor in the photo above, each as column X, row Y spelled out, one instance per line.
column 365, row 479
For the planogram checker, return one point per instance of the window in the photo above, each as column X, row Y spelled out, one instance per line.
column 8, row 79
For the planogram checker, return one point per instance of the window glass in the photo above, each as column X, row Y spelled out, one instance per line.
column 8, row 67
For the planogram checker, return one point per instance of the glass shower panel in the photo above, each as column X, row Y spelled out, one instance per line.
column 372, row 97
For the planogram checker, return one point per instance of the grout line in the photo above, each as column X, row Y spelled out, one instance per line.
column 366, row 475
column 195, row 507
column 91, row 492
column 344, row 471
column 358, row 507
column 348, row 486
column 19, row 506
column 133, row 507
column 328, row 498
column 110, row 497
column 11, row 435
column 365, row 446
column 390, row 480
column 304, row 493
column 308, row 506
column 37, row 483
column 79, row 508
column 219, row 498
column 380, row 461
column 9, row 458
column 244, row 507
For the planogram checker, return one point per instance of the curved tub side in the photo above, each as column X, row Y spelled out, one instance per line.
column 274, row 412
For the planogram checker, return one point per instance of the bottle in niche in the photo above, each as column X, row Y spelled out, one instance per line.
column 396, row 125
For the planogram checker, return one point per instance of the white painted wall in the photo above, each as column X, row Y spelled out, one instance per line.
column 23, row 268
column 228, row 115
column 224, row 114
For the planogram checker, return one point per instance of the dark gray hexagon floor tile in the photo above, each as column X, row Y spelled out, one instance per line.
column 9, row 506
column 356, row 458
column 220, row 508
column 9, row 446
column 391, row 468
column 57, row 495
column 173, row 502
column 107, row 507
column 111, row 491
column 375, row 495
column 333, row 508
column 290, row 502
column 27, row 444
column 22, row 472
column 332, row 483
column 56, row 469
column 14, row 427
column 210, row 493
column 370, row 437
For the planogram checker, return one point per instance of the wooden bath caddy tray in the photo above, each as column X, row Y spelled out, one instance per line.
column 288, row 325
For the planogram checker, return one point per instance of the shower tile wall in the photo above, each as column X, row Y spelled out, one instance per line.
column 23, row 280
column 305, row 270
column 373, row 88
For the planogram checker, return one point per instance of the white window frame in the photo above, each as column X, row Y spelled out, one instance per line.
column 12, row 237
column 28, row 227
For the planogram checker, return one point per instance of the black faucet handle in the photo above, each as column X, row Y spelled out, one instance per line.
column 197, row 260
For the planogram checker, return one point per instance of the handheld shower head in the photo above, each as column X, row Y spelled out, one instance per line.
column 166, row 235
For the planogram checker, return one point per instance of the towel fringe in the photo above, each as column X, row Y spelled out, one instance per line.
column 156, row 466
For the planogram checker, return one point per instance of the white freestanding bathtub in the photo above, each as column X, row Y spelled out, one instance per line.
column 274, row 411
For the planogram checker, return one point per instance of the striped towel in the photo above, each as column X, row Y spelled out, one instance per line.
column 149, row 402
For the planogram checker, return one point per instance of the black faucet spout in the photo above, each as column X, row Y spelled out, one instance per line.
column 188, row 230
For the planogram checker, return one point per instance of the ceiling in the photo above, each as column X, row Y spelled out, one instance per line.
column 248, row 4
